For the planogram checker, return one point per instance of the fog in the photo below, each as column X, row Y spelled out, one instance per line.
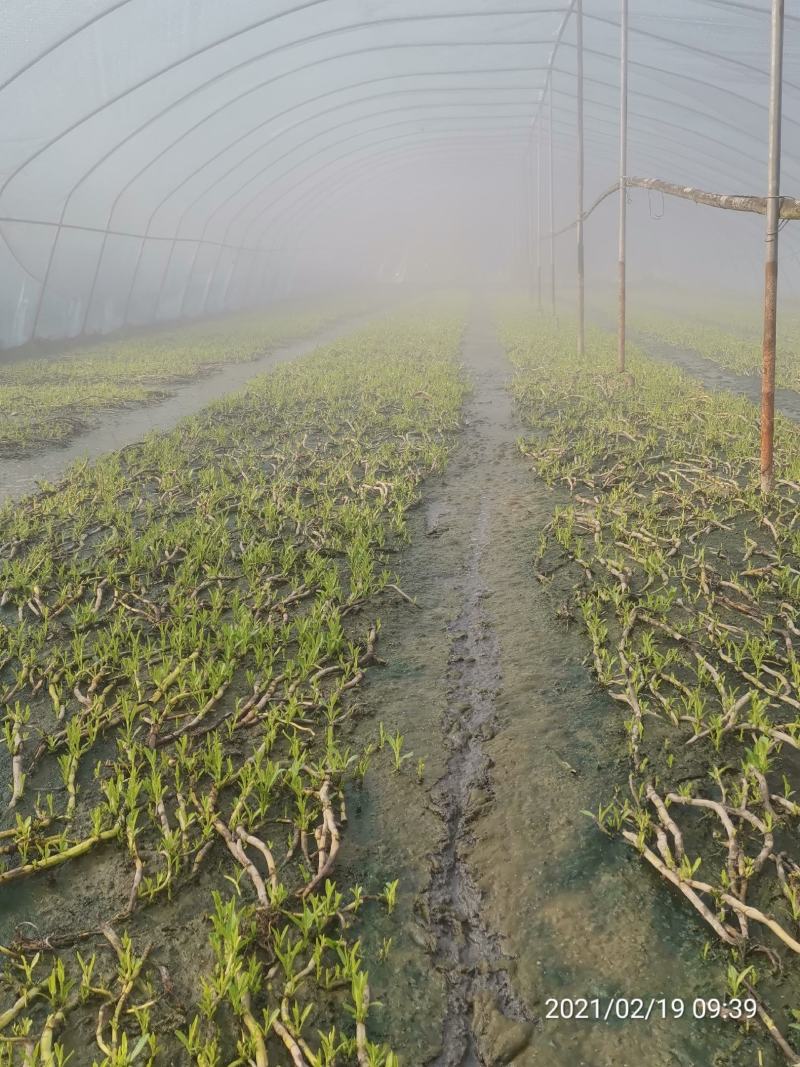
column 398, row 621
column 168, row 160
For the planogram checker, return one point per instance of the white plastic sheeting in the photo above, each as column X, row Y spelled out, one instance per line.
column 169, row 157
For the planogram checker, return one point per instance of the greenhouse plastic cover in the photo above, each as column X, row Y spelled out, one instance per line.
column 173, row 157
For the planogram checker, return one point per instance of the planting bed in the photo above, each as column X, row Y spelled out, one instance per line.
column 48, row 401
column 733, row 348
column 183, row 627
column 688, row 583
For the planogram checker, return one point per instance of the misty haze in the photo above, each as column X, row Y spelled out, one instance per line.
column 399, row 544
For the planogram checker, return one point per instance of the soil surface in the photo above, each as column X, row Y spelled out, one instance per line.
column 509, row 894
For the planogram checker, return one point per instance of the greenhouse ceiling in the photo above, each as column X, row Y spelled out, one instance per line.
column 154, row 152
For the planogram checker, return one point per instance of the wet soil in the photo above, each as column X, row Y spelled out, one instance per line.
column 509, row 895
column 114, row 429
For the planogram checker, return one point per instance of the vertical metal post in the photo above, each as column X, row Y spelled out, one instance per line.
column 551, row 200
column 771, row 251
column 539, row 215
column 529, row 206
column 93, row 287
column 580, row 177
column 623, row 174
column 46, row 280
column 134, row 277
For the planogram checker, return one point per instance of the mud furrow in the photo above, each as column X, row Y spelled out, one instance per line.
column 468, row 950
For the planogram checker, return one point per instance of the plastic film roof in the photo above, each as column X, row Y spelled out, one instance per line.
column 171, row 157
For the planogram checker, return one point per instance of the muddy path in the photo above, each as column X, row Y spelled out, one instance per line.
column 115, row 428
column 509, row 895
column 714, row 376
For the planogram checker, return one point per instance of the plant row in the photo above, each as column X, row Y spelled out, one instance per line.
column 688, row 583
column 48, row 401
column 734, row 348
column 182, row 628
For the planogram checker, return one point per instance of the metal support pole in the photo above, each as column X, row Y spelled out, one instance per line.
column 580, row 177
column 531, row 238
column 551, row 201
column 771, row 251
column 46, row 280
column 134, row 277
column 539, row 216
column 623, row 174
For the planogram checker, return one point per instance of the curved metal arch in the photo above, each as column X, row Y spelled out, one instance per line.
column 425, row 151
column 306, row 66
column 653, row 69
column 63, row 40
column 688, row 108
column 328, row 59
column 330, row 33
column 145, row 81
column 248, row 92
column 680, row 44
column 657, row 163
column 96, row 111
column 346, row 103
column 135, row 177
column 565, row 138
column 604, row 144
column 272, row 163
column 714, row 168
column 299, row 42
column 556, row 45
column 252, row 222
column 713, row 165
column 276, row 116
column 391, row 156
column 320, row 36
column 751, row 8
column 321, row 133
column 81, row 228
column 311, row 118
column 326, row 148
column 332, row 197
column 687, row 47
column 500, row 140
column 270, row 81
column 325, row 166
column 675, row 105
column 665, row 122
column 560, row 42
column 367, row 147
